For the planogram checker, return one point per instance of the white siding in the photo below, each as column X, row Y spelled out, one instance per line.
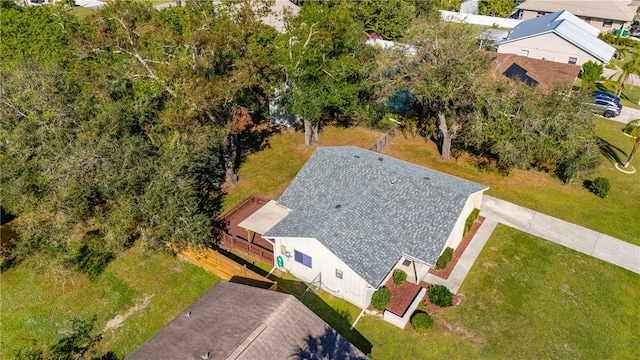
column 351, row 287
column 547, row 46
column 458, row 230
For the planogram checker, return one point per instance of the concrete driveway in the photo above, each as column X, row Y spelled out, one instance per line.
column 627, row 115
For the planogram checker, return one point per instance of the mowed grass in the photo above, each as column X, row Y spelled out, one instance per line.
column 616, row 215
column 39, row 304
column 526, row 298
column 269, row 172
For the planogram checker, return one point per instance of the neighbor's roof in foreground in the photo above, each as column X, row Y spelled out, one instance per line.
column 601, row 9
column 567, row 26
column 368, row 208
column 233, row 321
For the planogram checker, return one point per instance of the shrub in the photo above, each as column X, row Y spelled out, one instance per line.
column 381, row 298
column 422, row 322
column 399, row 276
column 440, row 295
column 600, row 186
column 445, row 258
column 470, row 220
column 423, row 306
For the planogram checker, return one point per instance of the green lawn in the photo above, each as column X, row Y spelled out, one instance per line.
column 614, row 215
column 38, row 304
column 526, row 298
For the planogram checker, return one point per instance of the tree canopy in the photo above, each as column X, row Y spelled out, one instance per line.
column 322, row 59
column 121, row 136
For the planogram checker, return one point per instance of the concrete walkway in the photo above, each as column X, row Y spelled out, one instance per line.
column 467, row 259
column 575, row 237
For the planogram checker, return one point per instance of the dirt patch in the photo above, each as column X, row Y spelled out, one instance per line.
column 119, row 319
column 463, row 333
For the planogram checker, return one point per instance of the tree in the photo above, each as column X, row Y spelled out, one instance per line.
column 122, row 137
column 632, row 129
column 388, row 19
column 630, row 67
column 321, row 58
column 591, row 73
column 519, row 126
column 443, row 75
column 498, row 8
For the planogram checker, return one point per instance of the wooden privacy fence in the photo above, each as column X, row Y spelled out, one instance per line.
column 384, row 140
column 220, row 265
column 230, row 242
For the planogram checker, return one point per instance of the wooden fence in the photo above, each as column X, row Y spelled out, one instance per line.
column 384, row 140
column 220, row 265
column 254, row 250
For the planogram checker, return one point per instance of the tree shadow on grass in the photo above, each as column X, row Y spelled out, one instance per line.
column 610, row 151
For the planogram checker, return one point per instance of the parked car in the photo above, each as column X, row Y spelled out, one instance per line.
column 605, row 107
column 635, row 28
column 607, row 95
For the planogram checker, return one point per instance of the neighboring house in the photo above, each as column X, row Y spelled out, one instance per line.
column 234, row 321
column 560, row 37
column 605, row 15
column 545, row 75
column 354, row 215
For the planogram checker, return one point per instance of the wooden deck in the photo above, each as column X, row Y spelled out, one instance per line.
column 235, row 237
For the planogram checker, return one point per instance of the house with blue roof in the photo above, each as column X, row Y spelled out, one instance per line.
column 560, row 37
column 353, row 215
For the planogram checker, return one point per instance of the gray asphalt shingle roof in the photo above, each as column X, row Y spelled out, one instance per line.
column 368, row 208
column 567, row 26
column 234, row 321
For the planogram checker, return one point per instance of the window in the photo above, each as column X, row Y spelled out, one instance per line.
column 607, row 23
column 573, row 60
column 302, row 258
column 524, row 53
column 339, row 274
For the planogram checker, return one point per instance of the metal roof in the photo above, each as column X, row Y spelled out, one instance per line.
column 369, row 209
column 234, row 321
column 265, row 218
column 601, row 9
column 567, row 26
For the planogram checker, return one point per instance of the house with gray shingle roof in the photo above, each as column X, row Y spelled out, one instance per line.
column 234, row 321
column 354, row 215
column 560, row 37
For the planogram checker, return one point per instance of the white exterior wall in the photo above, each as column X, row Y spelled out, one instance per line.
column 547, row 47
column 455, row 238
column 351, row 287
